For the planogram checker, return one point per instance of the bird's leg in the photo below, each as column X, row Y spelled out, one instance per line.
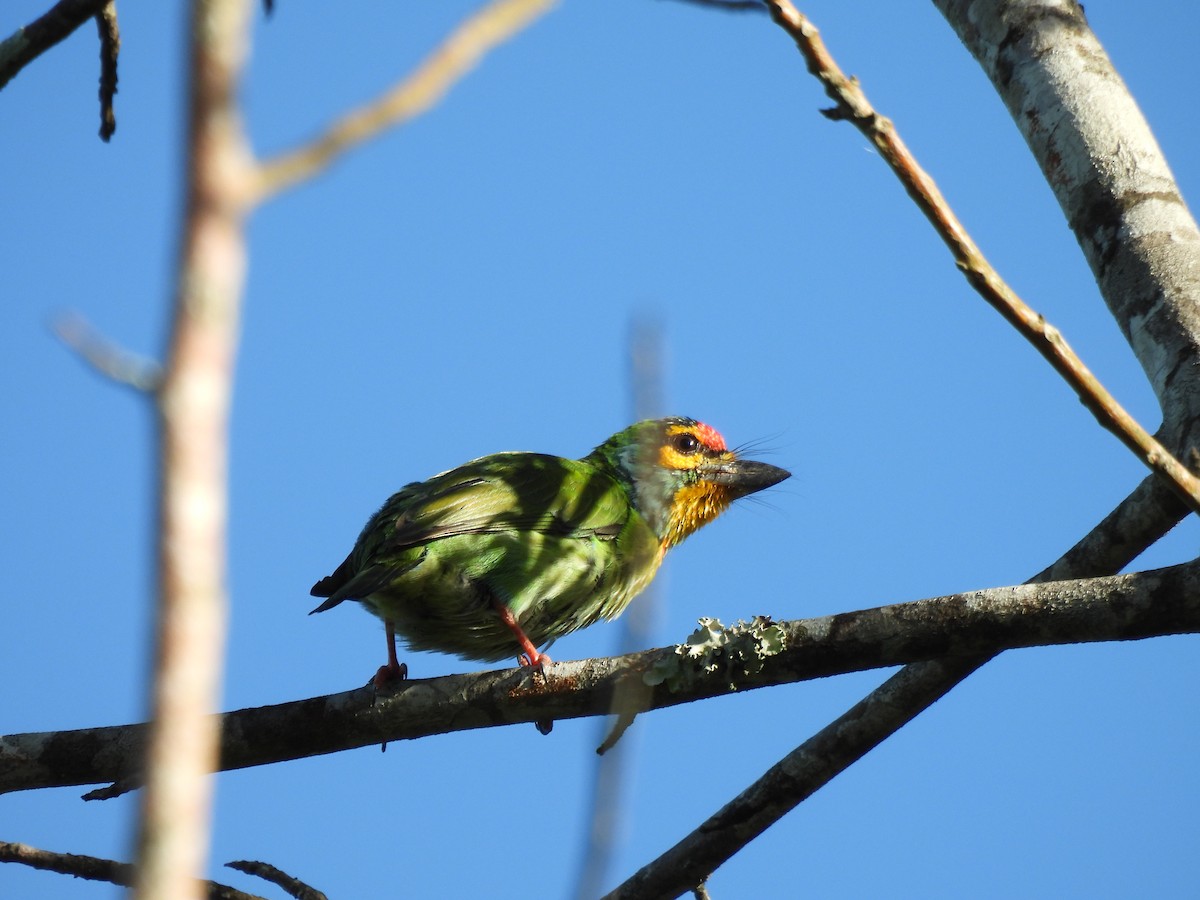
column 394, row 670
column 530, row 657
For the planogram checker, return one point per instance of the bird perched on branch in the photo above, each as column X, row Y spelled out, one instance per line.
column 508, row 552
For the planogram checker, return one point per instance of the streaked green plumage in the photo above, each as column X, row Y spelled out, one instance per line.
column 558, row 543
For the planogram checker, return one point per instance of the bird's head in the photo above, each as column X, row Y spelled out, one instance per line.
column 680, row 474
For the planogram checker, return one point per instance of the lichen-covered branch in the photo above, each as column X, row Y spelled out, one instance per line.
column 714, row 662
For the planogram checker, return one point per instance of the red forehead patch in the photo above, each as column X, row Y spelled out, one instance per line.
column 710, row 436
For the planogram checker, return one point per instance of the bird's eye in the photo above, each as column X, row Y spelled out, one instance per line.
column 685, row 443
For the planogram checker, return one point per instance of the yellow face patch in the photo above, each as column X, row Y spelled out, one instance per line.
column 694, row 506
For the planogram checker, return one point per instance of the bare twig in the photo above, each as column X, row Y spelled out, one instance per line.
column 95, row 868
column 1125, row 607
column 110, row 49
column 852, row 105
column 106, row 357
column 26, row 44
column 489, row 27
column 193, row 406
column 293, row 886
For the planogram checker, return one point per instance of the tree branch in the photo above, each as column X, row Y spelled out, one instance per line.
column 26, row 44
column 293, row 886
column 193, row 406
column 1140, row 520
column 417, row 94
column 106, row 357
column 853, row 106
column 978, row 623
column 1143, row 517
column 95, row 868
column 1100, row 158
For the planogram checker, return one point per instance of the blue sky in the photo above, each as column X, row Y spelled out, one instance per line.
column 466, row 285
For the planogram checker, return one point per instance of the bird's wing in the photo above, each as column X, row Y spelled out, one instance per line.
column 505, row 492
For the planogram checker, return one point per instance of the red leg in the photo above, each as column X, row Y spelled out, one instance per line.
column 530, row 657
column 394, row 670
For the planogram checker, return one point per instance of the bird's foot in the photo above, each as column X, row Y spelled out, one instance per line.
column 389, row 674
column 544, row 726
column 538, row 660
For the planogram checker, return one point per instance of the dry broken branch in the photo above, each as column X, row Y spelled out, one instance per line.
column 110, row 50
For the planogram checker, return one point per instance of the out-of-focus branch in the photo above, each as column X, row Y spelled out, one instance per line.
column 94, row 868
column 853, row 106
column 110, row 49
column 608, row 804
column 108, row 359
column 193, row 406
column 26, row 44
column 483, row 31
column 979, row 623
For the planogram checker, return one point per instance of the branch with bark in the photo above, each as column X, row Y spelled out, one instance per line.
column 715, row 662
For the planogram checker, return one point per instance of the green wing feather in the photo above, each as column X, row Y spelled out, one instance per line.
column 505, row 492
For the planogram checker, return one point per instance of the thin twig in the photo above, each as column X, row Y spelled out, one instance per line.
column 110, row 49
column 94, row 868
column 26, row 44
column 418, row 93
column 292, row 885
column 107, row 358
column 852, row 105
column 193, row 406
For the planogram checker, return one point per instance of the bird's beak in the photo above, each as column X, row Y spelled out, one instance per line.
column 744, row 476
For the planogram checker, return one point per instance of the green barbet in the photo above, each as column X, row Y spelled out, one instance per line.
column 510, row 551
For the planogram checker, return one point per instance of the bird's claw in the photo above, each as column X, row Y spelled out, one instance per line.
column 389, row 674
column 539, row 661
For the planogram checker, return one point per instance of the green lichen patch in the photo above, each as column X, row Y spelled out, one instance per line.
column 712, row 649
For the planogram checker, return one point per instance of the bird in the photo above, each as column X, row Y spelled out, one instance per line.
column 508, row 552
